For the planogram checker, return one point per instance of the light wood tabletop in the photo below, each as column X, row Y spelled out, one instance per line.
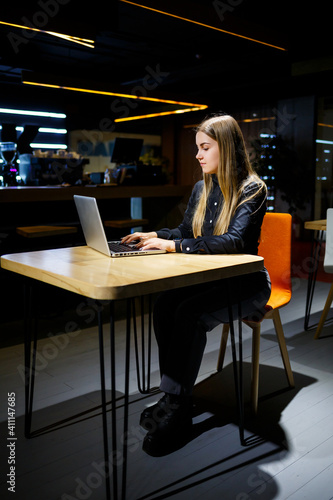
column 316, row 225
column 87, row 272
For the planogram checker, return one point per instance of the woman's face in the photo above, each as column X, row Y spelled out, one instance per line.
column 208, row 153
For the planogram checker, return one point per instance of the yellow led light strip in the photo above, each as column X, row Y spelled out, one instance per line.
column 193, row 107
column 204, row 25
column 324, row 125
column 246, row 120
column 262, row 119
column 114, row 94
column 81, row 41
column 163, row 113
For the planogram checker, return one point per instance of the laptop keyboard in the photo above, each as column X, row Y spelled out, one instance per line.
column 121, row 247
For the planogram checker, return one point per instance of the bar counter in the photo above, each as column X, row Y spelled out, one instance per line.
column 21, row 194
column 22, row 206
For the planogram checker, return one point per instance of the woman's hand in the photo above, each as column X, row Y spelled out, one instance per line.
column 168, row 245
column 138, row 237
column 149, row 240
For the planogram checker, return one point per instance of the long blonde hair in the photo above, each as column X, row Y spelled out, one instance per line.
column 234, row 172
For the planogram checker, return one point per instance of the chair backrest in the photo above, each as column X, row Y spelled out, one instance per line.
column 275, row 247
column 328, row 259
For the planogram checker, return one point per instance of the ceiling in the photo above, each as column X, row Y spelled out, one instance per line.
column 148, row 53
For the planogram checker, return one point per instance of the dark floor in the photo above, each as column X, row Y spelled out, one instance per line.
column 289, row 444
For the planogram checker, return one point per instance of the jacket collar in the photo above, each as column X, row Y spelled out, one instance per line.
column 215, row 180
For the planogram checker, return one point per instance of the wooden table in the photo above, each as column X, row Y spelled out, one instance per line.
column 88, row 273
column 316, row 225
column 319, row 226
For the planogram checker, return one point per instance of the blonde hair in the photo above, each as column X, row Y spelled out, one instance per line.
column 234, row 172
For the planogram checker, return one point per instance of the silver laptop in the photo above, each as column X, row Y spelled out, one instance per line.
column 94, row 232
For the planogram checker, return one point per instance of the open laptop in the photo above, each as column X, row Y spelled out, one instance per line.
column 94, row 232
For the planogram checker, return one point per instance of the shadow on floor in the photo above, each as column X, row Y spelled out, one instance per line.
column 51, row 463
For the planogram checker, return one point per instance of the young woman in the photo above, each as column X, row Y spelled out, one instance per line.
column 223, row 216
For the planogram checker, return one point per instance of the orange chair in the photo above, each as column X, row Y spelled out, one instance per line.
column 275, row 247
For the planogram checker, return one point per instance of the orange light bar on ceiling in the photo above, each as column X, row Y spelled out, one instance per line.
column 324, row 125
column 188, row 105
column 246, row 120
column 204, row 25
column 262, row 119
column 81, row 41
column 163, row 113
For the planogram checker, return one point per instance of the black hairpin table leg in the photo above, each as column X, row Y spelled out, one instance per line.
column 238, row 372
column 315, row 256
column 30, row 350
column 113, row 461
column 103, row 398
column 143, row 369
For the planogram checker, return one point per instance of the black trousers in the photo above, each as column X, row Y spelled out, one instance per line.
column 182, row 317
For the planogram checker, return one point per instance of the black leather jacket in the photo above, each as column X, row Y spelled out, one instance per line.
column 243, row 232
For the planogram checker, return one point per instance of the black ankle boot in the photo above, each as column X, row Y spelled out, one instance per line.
column 154, row 414
column 171, row 420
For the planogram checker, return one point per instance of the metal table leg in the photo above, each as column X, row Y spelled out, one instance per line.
column 238, row 372
column 30, row 349
column 315, row 255
column 143, row 377
column 118, row 466
column 103, row 397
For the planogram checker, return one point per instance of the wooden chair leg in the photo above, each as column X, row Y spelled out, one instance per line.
column 324, row 313
column 255, row 367
column 283, row 347
column 223, row 345
column 256, row 330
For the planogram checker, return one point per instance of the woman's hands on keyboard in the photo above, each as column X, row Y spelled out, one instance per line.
column 137, row 236
column 148, row 241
